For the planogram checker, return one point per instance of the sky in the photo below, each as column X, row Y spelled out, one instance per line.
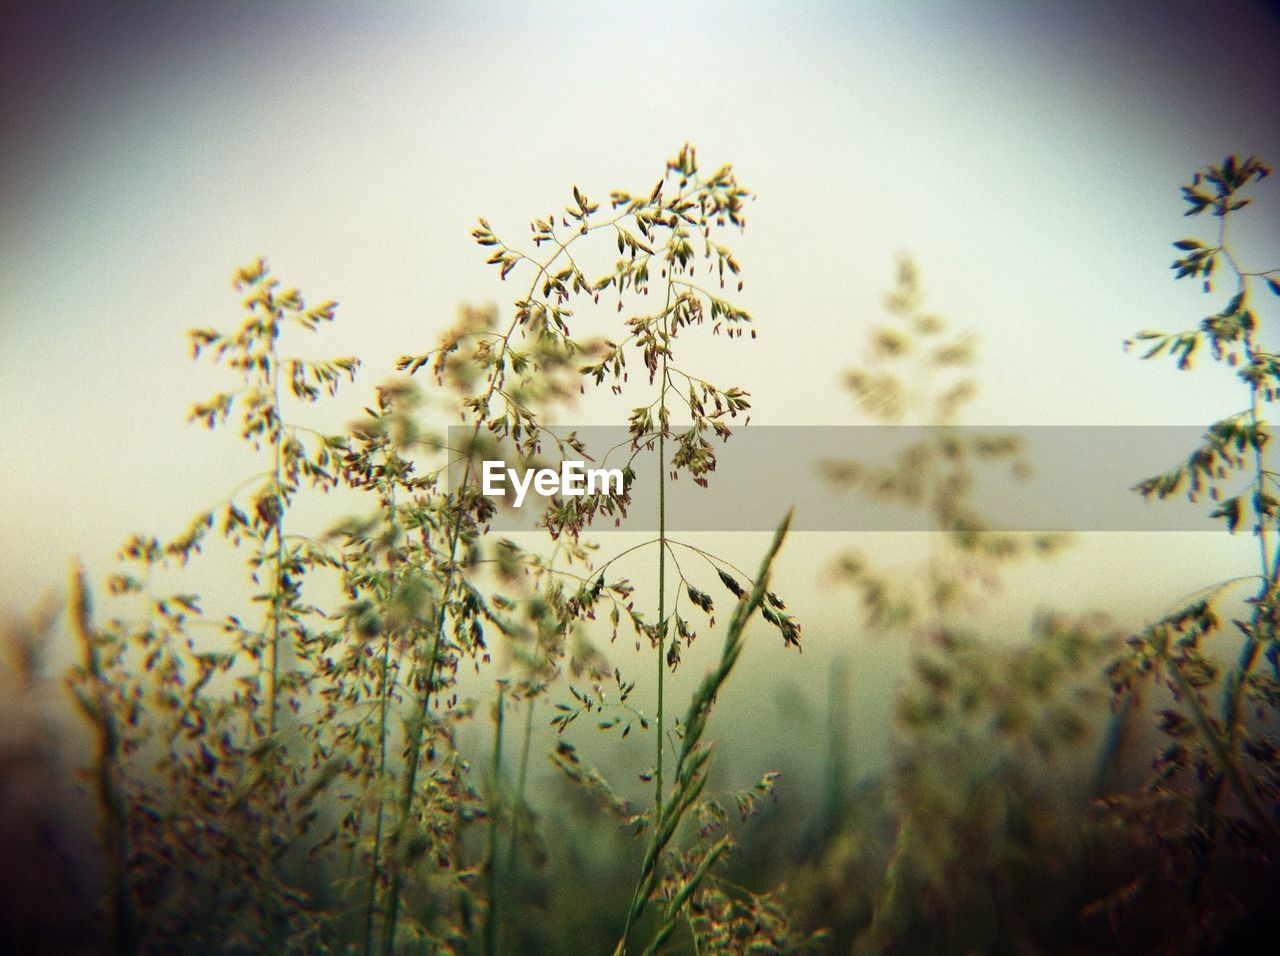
column 1027, row 156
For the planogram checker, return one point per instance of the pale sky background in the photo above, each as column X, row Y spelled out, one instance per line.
column 1028, row 156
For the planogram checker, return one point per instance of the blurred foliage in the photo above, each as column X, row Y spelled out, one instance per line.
column 917, row 373
column 43, row 887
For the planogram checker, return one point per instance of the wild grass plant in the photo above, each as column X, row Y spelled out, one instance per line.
column 1211, row 809
column 293, row 780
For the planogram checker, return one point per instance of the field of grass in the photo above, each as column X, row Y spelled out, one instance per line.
column 347, row 753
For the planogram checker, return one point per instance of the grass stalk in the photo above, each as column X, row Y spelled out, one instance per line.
column 690, row 768
column 1226, row 748
column 95, row 701
column 277, row 589
column 409, row 784
column 678, row 901
column 659, row 725
column 375, row 864
column 517, row 804
column 492, row 922
column 662, row 614
column 455, row 530
column 424, row 709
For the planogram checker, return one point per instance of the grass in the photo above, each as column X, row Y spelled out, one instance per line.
column 313, row 774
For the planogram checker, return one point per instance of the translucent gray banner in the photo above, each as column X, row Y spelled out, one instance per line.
column 881, row 478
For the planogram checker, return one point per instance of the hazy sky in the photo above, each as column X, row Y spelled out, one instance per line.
column 1027, row 155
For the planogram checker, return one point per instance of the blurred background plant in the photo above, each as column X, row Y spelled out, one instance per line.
column 48, row 896
column 950, row 850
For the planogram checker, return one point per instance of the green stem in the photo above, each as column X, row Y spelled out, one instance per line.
column 662, row 614
column 96, row 702
column 662, row 544
column 277, row 590
column 495, row 777
column 375, row 868
column 1260, row 624
column 414, row 758
column 517, row 807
